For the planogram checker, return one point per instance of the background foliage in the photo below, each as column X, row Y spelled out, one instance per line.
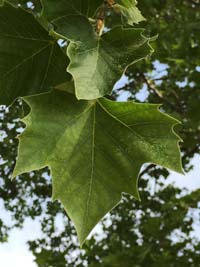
column 135, row 234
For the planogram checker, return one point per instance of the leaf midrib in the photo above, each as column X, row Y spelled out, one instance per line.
column 86, row 216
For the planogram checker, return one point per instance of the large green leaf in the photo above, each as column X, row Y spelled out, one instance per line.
column 129, row 11
column 30, row 60
column 95, row 150
column 97, row 62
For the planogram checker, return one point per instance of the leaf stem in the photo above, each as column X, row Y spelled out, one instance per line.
column 101, row 15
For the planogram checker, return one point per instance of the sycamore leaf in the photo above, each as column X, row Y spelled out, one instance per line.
column 96, row 62
column 129, row 11
column 30, row 60
column 94, row 149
